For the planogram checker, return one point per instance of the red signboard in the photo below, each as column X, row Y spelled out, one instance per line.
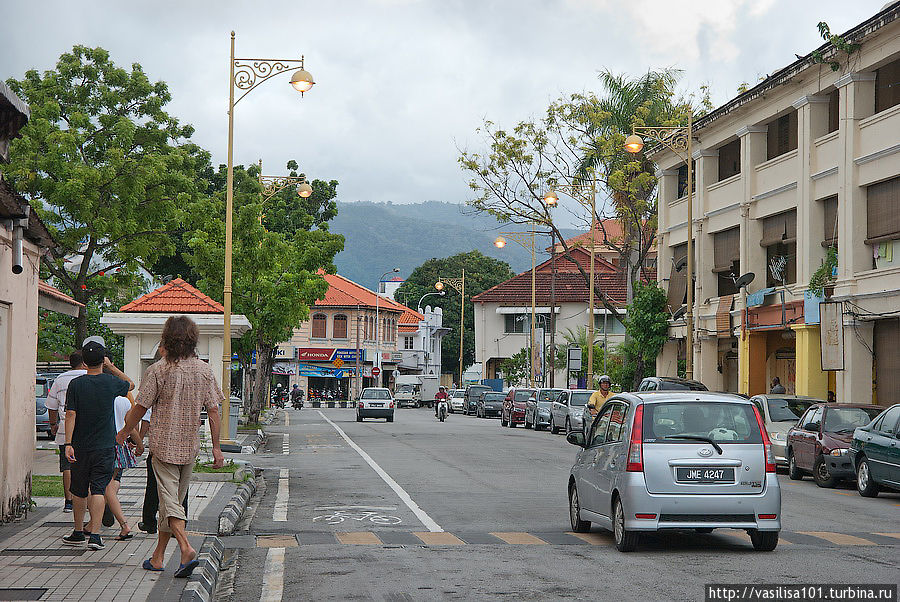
column 376, row 371
column 315, row 354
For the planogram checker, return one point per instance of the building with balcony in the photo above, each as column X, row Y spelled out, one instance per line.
column 807, row 160
column 419, row 341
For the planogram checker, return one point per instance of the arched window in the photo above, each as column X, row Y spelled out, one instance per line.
column 318, row 326
column 340, row 327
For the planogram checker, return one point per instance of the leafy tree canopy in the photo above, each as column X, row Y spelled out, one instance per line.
column 481, row 274
column 108, row 170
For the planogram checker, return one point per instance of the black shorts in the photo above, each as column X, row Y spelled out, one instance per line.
column 63, row 460
column 92, row 471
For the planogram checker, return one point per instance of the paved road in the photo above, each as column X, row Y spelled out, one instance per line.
column 416, row 509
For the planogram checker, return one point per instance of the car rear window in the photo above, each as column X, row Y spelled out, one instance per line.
column 838, row 420
column 494, row 397
column 787, row 410
column 376, row 394
column 668, row 385
column 721, row 422
column 523, row 395
column 579, row 399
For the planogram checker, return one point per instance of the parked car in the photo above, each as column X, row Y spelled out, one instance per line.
column 875, row 453
column 42, row 385
column 655, row 462
column 457, row 400
column 568, row 409
column 473, row 392
column 537, row 408
column 820, row 442
column 779, row 414
column 375, row 402
column 490, row 404
column 670, row 383
column 513, row 412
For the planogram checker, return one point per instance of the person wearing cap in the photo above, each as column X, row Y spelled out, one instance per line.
column 91, row 437
column 598, row 398
column 56, row 407
column 177, row 387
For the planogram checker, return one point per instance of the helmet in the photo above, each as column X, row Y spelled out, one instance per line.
column 441, row 388
column 605, row 379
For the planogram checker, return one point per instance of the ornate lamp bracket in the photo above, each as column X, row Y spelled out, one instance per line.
column 249, row 73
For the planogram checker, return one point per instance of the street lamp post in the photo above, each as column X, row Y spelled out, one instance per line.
column 245, row 75
column 679, row 140
column 460, row 285
column 526, row 240
column 378, row 323
column 425, row 346
column 586, row 195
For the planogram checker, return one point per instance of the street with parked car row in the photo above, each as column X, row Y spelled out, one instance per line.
column 467, row 508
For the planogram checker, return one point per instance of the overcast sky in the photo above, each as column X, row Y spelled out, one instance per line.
column 401, row 84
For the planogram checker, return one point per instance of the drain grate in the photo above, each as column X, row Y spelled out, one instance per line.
column 41, row 552
column 22, row 593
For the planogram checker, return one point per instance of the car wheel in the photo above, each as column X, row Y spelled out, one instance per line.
column 390, row 418
column 502, row 419
column 763, row 541
column 512, row 423
column 537, row 425
column 568, row 427
column 864, row 483
column 527, row 424
column 822, row 476
column 578, row 525
column 794, row 471
column 553, row 428
column 626, row 541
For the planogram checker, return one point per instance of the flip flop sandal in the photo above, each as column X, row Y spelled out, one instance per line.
column 184, row 571
column 125, row 537
column 148, row 566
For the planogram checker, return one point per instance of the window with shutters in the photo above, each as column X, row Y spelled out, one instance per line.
column 682, row 179
column 780, row 240
column 830, row 234
column 887, row 360
column 887, row 86
column 318, row 326
column 340, row 327
column 883, row 211
column 677, row 288
column 781, row 137
column 729, row 160
column 727, row 259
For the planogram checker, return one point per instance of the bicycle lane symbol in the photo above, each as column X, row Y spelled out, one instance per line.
column 363, row 514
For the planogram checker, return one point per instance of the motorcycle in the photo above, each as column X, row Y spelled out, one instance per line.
column 442, row 410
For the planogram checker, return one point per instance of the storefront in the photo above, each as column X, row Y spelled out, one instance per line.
column 328, row 373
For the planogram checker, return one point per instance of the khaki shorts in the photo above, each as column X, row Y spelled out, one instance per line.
column 172, row 482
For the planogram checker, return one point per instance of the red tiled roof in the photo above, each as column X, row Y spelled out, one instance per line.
column 570, row 288
column 175, row 297
column 583, row 257
column 613, row 233
column 409, row 321
column 346, row 293
column 51, row 291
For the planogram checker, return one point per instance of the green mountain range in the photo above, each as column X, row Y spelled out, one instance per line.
column 382, row 236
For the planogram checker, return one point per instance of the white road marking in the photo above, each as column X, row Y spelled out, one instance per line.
column 273, row 576
column 287, row 419
column 281, row 498
column 286, row 445
column 426, row 520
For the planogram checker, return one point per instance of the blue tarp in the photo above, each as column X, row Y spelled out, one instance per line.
column 811, row 307
column 757, row 298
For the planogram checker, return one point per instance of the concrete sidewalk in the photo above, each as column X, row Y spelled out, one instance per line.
column 35, row 565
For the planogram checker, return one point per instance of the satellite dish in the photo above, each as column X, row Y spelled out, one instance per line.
column 744, row 280
column 679, row 312
column 680, row 263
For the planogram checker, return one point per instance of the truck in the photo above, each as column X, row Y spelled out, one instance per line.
column 414, row 390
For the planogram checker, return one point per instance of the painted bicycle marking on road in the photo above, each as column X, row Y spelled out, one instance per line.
column 373, row 516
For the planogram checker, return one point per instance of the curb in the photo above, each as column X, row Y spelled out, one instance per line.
column 258, row 439
column 201, row 587
column 231, row 514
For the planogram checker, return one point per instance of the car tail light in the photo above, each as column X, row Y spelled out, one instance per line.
column 768, row 454
column 361, row 405
column 767, row 516
column 392, row 404
column 636, row 449
column 647, row 516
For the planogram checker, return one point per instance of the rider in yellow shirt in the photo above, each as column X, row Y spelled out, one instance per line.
column 598, row 398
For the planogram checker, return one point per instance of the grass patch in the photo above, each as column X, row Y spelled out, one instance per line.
column 46, row 485
column 250, row 426
column 230, row 466
column 244, row 479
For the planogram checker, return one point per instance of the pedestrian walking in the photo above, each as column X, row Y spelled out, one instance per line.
column 151, row 494
column 124, row 459
column 56, row 410
column 177, row 387
column 777, row 388
column 91, row 437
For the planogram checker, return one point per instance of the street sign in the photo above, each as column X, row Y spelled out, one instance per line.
column 337, row 363
column 376, row 371
column 574, row 358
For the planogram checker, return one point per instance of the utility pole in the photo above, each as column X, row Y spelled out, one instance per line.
column 552, row 308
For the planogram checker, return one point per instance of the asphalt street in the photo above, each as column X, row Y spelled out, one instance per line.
column 419, row 510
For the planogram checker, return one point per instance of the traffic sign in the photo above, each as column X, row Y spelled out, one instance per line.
column 337, row 363
column 376, row 371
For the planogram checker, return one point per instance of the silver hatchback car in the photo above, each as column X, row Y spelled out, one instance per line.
column 675, row 460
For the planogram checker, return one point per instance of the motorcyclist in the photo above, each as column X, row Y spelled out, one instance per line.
column 440, row 396
column 598, row 398
column 296, row 396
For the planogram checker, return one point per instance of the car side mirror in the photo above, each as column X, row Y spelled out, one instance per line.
column 575, row 438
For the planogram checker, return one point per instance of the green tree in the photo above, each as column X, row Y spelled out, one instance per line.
column 646, row 329
column 108, row 170
column 516, row 368
column 275, row 275
column 481, row 274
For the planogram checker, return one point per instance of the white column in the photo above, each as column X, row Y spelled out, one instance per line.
column 753, row 152
column 216, row 349
column 812, row 120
